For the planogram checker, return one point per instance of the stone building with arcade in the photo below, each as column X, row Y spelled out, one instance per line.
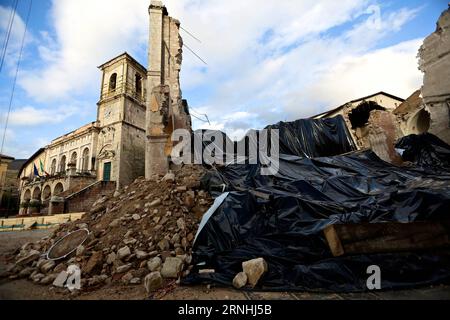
column 137, row 111
column 106, row 153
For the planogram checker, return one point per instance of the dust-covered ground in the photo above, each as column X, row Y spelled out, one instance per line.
column 25, row 290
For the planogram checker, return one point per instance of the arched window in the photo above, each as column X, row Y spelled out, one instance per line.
column 59, row 188
column 85, row 165
column 113, row 82
column 53, row 167
column 46, row 193
column 138, row 84
column 27, row 195
column 62, row 164
column 73, row 158
column 420, row 123
column 37, row 194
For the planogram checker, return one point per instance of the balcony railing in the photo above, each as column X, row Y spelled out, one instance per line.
column 58, row 175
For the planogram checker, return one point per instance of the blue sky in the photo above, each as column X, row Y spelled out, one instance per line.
column 266, row 60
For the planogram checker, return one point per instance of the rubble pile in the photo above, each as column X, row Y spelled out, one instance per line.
column 141, row 234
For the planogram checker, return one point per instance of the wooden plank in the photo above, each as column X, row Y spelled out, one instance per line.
column 333, row 241
column 386, row 237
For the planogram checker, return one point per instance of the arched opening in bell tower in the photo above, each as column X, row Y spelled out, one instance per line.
column 113, row 82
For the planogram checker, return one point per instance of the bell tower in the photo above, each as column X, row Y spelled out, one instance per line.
column 166, row 111
column 121, row 120
column 123, row 80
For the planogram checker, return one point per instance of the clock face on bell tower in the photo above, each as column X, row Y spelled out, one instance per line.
column 107, row 115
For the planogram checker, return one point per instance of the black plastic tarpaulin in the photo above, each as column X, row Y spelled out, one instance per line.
column 285, row 227
column 314, row 137
column 425, row 150
column 304, row 138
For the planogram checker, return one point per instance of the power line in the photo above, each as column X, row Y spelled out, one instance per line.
column 203, row 120
column 194, row 53
column 192, row 110
column 8, row 33
column 15, row 77
column 8, row 25
column 200, row 114
column 190, row 34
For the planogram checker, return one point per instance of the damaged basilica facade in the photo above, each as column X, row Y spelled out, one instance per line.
column 140, row 107
column 137, row 111
column 379, row 120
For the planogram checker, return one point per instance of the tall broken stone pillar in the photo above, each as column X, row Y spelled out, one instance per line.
column 166, row 111
column 434, row 62
column 158, row 135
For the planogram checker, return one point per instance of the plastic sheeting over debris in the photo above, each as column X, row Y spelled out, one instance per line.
column 304, row 138
column 425, row 150
column 314, row 137
column 281, row 218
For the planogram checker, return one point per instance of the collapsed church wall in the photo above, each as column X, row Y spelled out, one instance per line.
column 412, row 116
column 434, row 62
column 425, row 110
column 166, row 110
column 383, row 132
column 374, row 127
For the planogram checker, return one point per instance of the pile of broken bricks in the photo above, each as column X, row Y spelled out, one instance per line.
column 142, row 234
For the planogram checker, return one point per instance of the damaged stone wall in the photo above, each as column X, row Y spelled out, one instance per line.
column 411, row 115
column 358, row 125
column 374, row 127
column 383, row 132
column 158, row 131
column 166, row 110
column 434, row 62
column 426, row 110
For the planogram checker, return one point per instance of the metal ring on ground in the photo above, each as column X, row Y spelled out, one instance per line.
column 67, row 244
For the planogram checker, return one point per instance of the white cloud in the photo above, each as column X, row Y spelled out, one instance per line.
column 21, row 148
column 267, row 60
column 235, row 124
column 392, row 69
column 15, row 38
column 236, row 35
column 313, row 70
column 31, row 116
column 87, row 33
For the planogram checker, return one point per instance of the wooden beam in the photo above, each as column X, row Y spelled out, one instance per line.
column 386, row 237
column 333, row 241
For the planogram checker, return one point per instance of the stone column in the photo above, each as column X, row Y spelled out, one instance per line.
column 155, row 45
column 71, row 174
column 33, row 208
column 23, row 210
column 434, row 62
column 165, row 109
column 71, row 169
column 155, row 149
column 56, row 205
column 155, row 160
